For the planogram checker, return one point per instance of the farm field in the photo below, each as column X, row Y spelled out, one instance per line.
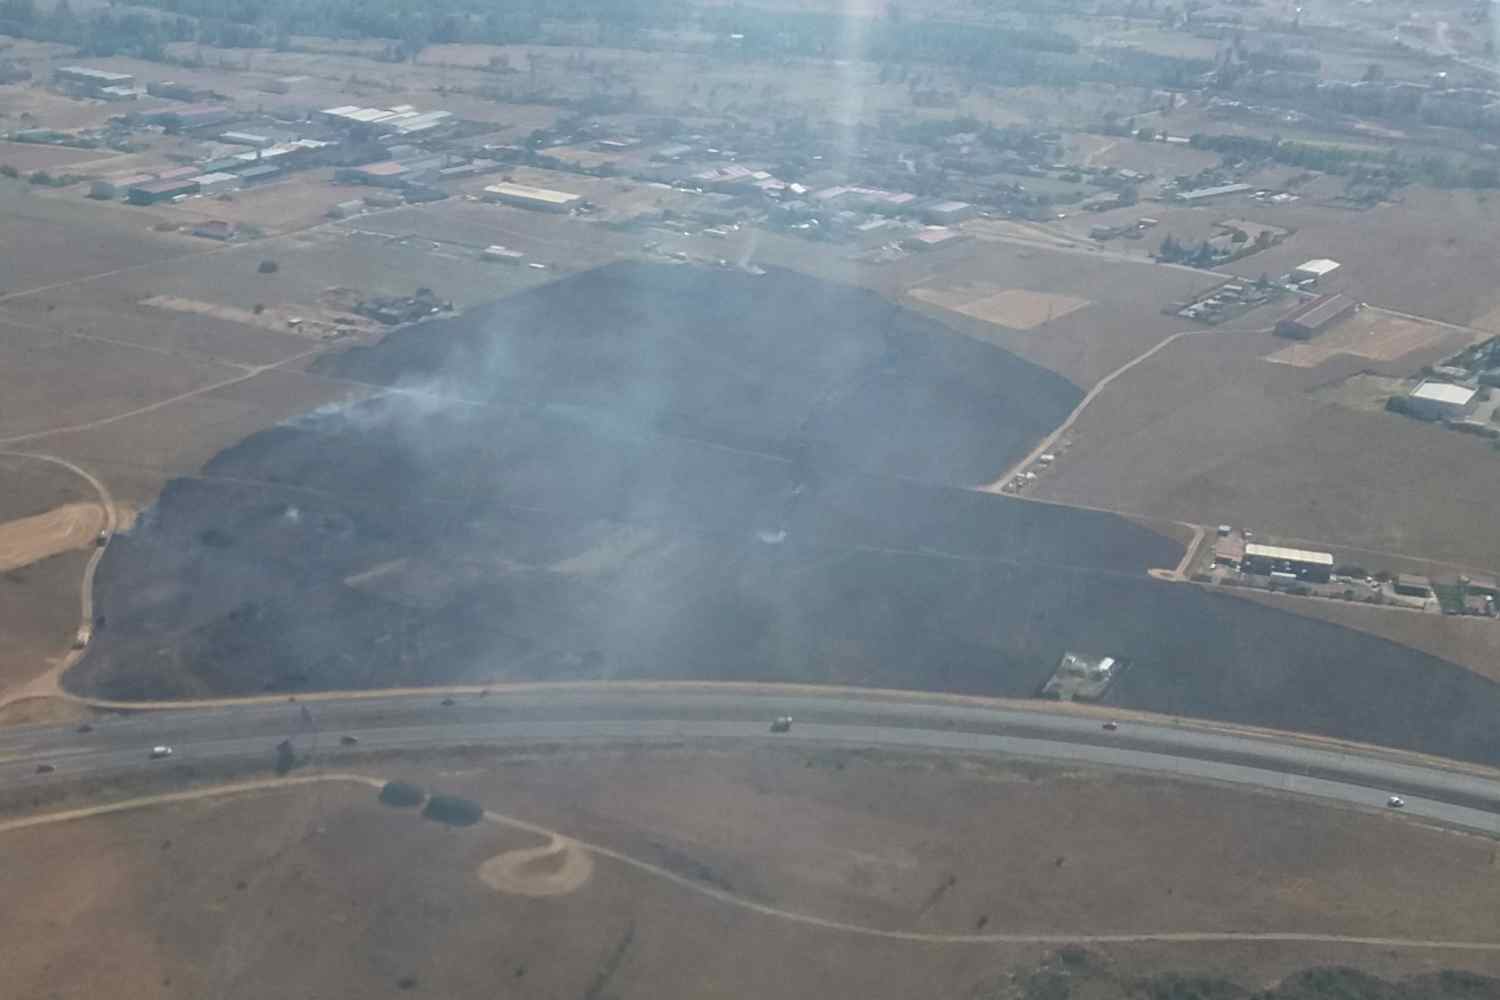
column 50, row 241
column 220, row 896
column 1074, row 315
column 1210, row 433
column 1376, row 336
column 1431, row 258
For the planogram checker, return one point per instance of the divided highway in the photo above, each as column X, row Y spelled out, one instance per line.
column 700, row 714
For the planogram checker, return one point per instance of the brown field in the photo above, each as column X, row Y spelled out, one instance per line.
column 101, row 379
column 225, row 896
column 38, row 615
column 1371, row 334
column 63, row 529
column 1016, row 308
column 1206, row 432
column 1431, row 257
column 1363, row 391
column 294, row 203
column 29, row 156
column 33, row 486
column 1082, row 344
column 52, row 240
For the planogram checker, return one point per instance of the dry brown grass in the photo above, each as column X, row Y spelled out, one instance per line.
column 1370, row 334
column 1016, row 308
column 1209, row 433
column 319, row 890
column 62, row 529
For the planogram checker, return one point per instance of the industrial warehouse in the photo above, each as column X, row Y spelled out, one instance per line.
column 1275, row 560
column 1312, row 318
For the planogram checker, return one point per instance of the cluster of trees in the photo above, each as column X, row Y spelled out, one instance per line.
column 1174, row 251
column 1388, row 169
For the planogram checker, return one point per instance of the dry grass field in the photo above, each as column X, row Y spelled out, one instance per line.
column 1371, row 334
column 50, row 380
column 319, row 890
column 283, row 206
column 1432, row 256
column 63, row 529
column 1016, row 308
column 38, row 614
column 1208, row 432
column 29, row 156
column 1103, row 312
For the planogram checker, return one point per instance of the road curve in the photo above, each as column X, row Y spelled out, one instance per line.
column 1464, row 798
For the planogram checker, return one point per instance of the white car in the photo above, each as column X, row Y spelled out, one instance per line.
column 1396, row 802
column 160, row 753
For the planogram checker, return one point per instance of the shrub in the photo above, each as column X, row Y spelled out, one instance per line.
column 402, row 794
column 453, row 810
column 9, row 171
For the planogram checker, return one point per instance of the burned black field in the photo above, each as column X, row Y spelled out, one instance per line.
column 652, row 471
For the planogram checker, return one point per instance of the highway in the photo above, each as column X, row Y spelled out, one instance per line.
column 703, row 715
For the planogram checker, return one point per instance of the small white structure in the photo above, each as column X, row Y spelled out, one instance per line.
column 1314, row 270
column 217, row 183
column 1440, row 400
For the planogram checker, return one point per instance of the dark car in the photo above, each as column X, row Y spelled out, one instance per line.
column 782, row 724
column 348, row 741
column 85, row 728
column 45, row 769
column 1110, row 726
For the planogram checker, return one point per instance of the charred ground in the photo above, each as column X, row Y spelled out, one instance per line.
column 659, row 471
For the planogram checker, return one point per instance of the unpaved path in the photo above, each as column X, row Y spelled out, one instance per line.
column 47, row 684
column 763, row 909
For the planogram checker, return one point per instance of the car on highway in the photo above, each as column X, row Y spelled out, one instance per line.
column 161, row 752
column 781, row 724
column 84, row 727
column 1110, row 726
column 45, row 769
column 348, row 741
column 1396, row 802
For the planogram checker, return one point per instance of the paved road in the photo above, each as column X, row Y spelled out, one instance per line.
column 418, row 722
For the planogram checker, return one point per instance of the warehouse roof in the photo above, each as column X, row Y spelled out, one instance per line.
column 1320, row 266
column 507, row 189
column 1213, row 192
column 216, row 178
column 1290, row 555
column 102, row 75
column 1321, row 310
column 1444, row 392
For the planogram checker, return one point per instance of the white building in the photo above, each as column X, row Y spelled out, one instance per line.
column 217, row 183
column 1314, row 270
column 1440, row 400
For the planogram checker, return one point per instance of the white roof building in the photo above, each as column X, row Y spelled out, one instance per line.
column 1440, row 400
column 1320, row 267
